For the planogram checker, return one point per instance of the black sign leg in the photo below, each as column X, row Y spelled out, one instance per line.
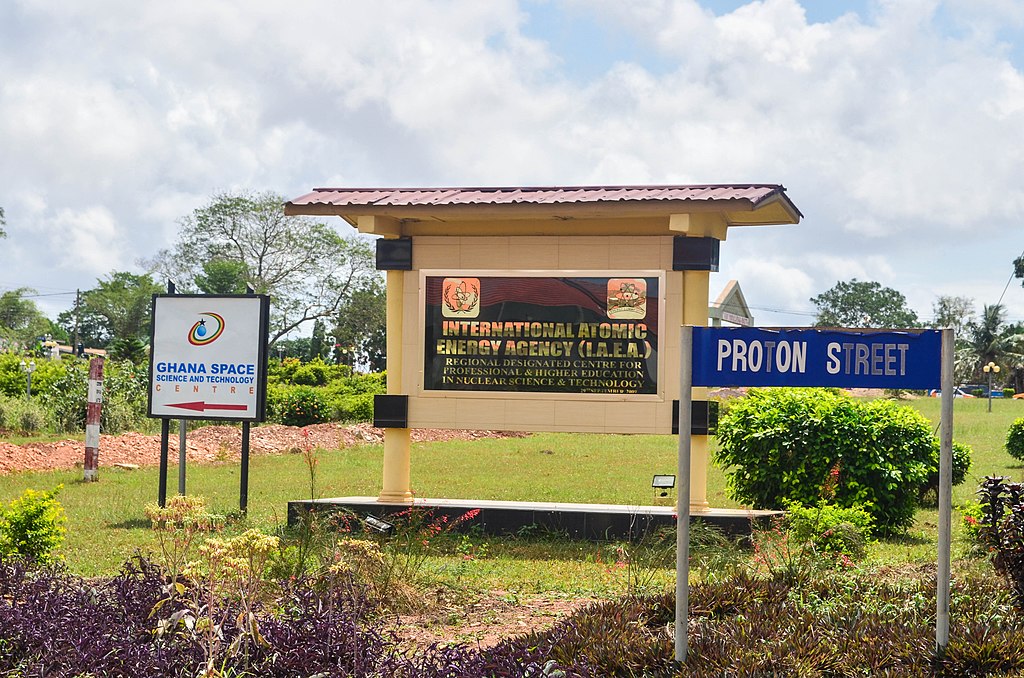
column 165, row 434
column 243, row 491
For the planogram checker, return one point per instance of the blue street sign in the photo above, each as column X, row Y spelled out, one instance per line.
column 744, row 356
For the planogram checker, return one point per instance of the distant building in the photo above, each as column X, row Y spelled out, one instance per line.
column 730, row 307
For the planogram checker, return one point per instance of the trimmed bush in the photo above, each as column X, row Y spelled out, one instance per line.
column 1008, row 392
column 779, row 446
column 1015, row 439
column 961, row 465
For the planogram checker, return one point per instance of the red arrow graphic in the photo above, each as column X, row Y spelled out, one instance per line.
column 200, row 406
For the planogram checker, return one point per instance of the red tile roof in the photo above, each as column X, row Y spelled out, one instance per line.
column 754, row 194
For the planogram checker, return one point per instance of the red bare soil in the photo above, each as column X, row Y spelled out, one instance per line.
column 211, row 443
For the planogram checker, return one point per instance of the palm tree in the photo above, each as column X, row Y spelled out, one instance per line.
column 991, row 340
column 129, row 349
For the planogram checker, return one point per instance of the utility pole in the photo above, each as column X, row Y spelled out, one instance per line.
column 74, row 346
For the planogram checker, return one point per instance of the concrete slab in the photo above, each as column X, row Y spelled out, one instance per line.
column 582, row 521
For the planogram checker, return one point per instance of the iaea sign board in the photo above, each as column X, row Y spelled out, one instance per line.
column 208, row 357
column 724, row 356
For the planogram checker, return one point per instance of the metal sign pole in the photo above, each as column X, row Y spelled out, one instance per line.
column 945, row 494
column 683, row 493
column 243, row 487
column 182, row 432
column 165, row 435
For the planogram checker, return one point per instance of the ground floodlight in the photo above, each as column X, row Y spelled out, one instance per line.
column 663, row 482
column 378, row 525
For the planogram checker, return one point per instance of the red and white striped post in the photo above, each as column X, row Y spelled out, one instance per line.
column 92, row 420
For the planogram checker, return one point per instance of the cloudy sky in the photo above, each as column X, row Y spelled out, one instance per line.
column 897, row 126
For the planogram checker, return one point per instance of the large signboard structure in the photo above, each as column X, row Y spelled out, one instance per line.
column 541, row 308
column 208, row 360
column 847, row 358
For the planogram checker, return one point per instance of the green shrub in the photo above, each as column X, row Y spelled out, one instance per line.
column 31, row 417
column 282, row 372
column 124, row 397
column 361, row 383
column 312, row 374
column 1008, row 392
column 831, row 529
column 275, row 400
column 32, row 526
column 7, row 409
column 977, row 392
column 301, row 406
column 1015, row 439
column 20, row 414
column 961, row 465
column 125, row 393
column 972, row 516
column 13, row 380
column 779, row 446
column 66, row 401
column 355, row 407
column 1002, row 529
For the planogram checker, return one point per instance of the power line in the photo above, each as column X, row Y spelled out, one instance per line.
column 782, row 310
column 50, row 294
column 1007, row 286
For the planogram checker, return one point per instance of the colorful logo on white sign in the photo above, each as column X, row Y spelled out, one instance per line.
column 206, row 330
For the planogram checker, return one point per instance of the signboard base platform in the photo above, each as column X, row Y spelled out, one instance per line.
column 582, row 521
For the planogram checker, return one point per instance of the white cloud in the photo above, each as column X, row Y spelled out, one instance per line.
column 896, row 132
column 85, row 241
column 778, row 294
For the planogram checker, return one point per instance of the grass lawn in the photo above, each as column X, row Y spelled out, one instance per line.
column 106, row 520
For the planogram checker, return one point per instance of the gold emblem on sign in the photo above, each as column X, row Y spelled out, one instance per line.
column 461, row 298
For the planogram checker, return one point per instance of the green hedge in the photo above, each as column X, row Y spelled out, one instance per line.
column 13, row 380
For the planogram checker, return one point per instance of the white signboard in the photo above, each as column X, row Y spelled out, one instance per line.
column 208, row 357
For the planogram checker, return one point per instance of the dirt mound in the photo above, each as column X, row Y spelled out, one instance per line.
column 212, row 443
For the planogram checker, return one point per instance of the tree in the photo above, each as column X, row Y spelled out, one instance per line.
column 360, row 327
column 318, row 342
column 20, row 320
column 92, row 327
column 222, row 276
column 132, row 350
column 955, row 312
column 863, row 304
column 306, row 268
column 991, row 340
column 121, row 303
column 293, row 348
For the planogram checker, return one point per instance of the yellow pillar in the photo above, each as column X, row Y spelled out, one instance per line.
column 695, row 312
column 397, row 486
